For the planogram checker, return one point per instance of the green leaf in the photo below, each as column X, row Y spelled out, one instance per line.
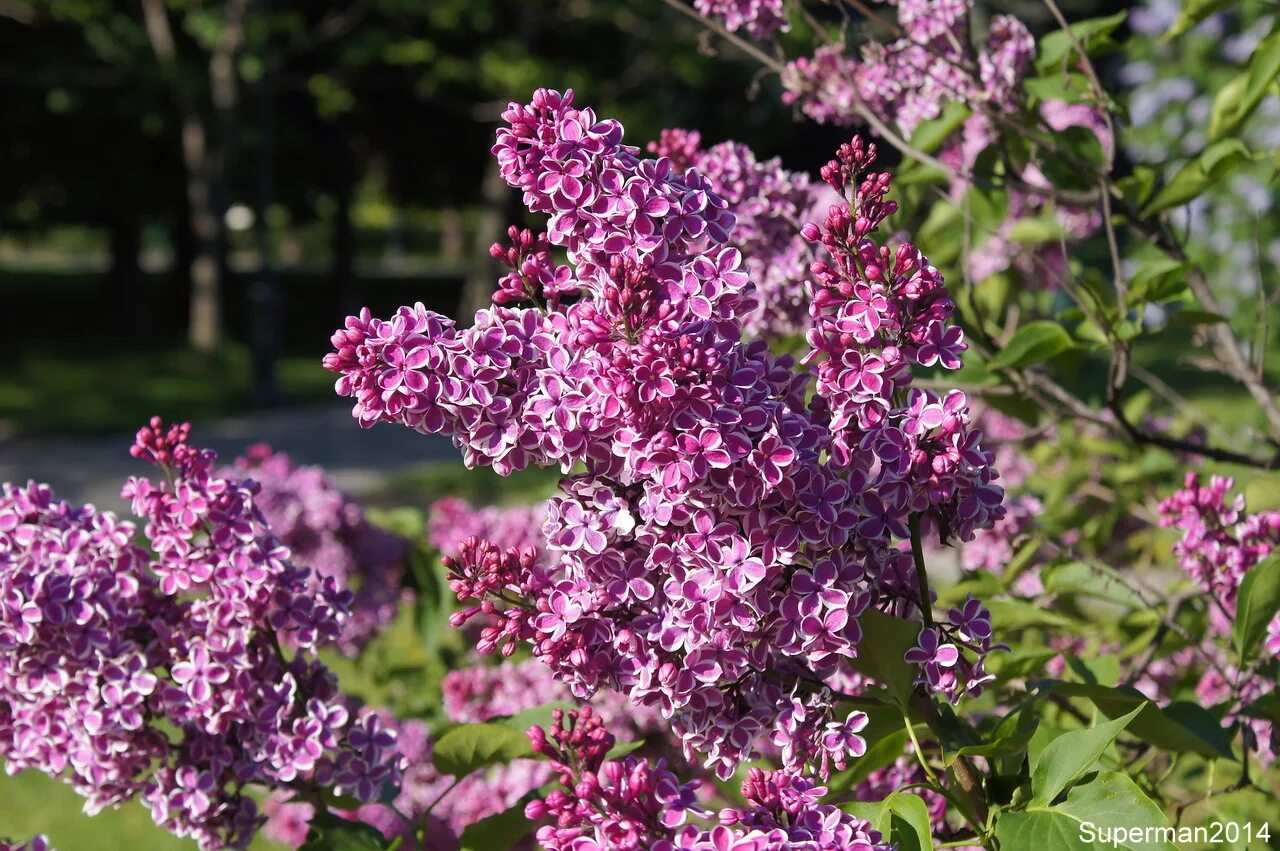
column 538, row 716
column 1221, row 157
column 1071, row 755
column 885, row 641
column 988, row 208
column 469, row 747
column 1070, row 87
column 901, row 818
column 497, row 832
column 1226, row 114
column 1019, row 614
column 1195, row 317
column 1011, row 736
column 1108, row 803
column 1256, row 605
column 1094, row 580
column 1039, row 229
column 1157, row 280
column 1032, row 343
column 1193, row 12
column 910, row 821
column 1264, row 66
column 621, row 749
column 1198, row 175
column 930, row 134
column 330, row 833
column 1091, row 34
column 1181, row 727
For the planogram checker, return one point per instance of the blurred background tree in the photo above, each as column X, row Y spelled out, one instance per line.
column 202, row 190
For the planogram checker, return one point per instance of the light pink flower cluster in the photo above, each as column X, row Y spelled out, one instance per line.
column 484, row 692
column 726, row 530
column 910, row 79
column 1221, row 542
column 471, row 696
column 771, row 203
column 759, row 18
column 451, row 521
column 326, row 529
column 994, row 252
column 426, row 797
column 629, row 803
column 159, row 674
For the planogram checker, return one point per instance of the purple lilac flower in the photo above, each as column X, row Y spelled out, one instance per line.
column 725, row 525
column 628, row 803
column 326, row 528
column 158, row 674
column 759, row 18
column 769, row 202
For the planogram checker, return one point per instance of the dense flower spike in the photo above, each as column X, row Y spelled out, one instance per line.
column 325, row 528
column 713, row 556
column 877, row 313
column 628, row 803
column 160, row 674
column 770, row 203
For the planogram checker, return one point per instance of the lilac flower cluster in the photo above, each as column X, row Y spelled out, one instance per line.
column 770, row 203
column 945, row 668
column 877, row 313
column 160, row 674
column 325, row 528
column 929, row 65
column 1221, row 542
column 726, row 531
column 761, row 19
column 629, row 803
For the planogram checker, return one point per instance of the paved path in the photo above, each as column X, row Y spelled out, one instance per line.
column 92, row 469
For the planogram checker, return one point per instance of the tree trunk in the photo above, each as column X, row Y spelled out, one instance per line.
column 264, row 292
column 453, row 235
column 343, row 257
column 124, row 290
column 205, row 165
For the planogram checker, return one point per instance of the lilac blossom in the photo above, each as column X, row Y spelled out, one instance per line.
column 158, row 673
column 326, row 529
column 726, row 529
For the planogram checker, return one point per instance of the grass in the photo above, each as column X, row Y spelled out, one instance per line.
column 45, row 392
column 35, row 804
